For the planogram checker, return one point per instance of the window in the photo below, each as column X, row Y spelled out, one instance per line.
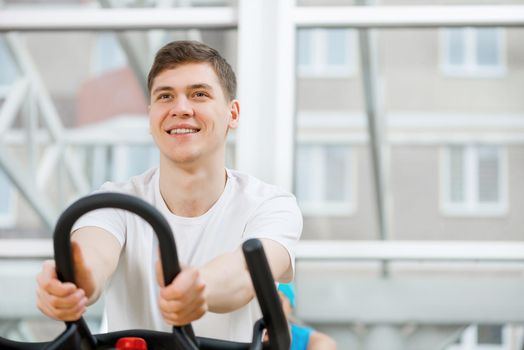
column 323, row 179
column 7, row 202
column 473, row 52
column 326, row 52
column 131, row 160
column 107, row 55
column 483, row 337
column 474, row 180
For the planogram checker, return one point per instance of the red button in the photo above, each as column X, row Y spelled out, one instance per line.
column 131, row 343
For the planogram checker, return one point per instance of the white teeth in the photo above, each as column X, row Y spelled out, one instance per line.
column 183, row 131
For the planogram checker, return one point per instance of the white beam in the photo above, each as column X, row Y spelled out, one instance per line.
column 26, row 248
column 409, row 16
column 256, row 86
column 284, row 114
column 443, row 251
column 117, row 19
column 423, row 299
column 411, row 251
column 13, row 101
column 52, row 155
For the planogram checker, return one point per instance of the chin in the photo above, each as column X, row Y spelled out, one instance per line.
column 183, row 159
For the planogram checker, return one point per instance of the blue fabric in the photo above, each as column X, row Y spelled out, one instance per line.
column 300, row 337
column 289, row 291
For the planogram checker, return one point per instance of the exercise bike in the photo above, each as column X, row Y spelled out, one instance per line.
column 77, row 335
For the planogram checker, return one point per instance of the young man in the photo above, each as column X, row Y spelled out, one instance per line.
column 211, row 210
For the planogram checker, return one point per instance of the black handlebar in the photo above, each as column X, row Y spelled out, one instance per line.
column 184, row 336
column 268, row 299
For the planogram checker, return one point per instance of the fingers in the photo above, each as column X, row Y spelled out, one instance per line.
column 48, row 280
column 60, row 301
column 183, row 301
column 186, row 313
column 69, row 308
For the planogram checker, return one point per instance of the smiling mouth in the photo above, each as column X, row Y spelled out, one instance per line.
column 183, row 131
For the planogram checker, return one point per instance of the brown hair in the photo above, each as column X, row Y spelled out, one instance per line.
column 176, row 53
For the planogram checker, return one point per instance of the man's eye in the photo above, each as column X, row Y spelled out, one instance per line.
column 200, row 94
column 164, row 96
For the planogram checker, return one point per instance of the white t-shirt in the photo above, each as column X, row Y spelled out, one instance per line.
column 248, row 208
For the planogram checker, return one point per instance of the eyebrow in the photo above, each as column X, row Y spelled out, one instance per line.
column 162, row 88
column 200, row 86
column 190, row 87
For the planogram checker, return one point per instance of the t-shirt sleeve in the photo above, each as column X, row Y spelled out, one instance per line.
column 110, row 219
column 280, row 220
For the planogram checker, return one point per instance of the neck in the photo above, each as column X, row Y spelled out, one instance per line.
column 191, row 190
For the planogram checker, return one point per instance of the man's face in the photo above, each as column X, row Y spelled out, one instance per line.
column 189, row 115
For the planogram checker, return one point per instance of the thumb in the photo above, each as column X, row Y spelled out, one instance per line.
column 78, row 257
column 159, row 274
column 83, row 274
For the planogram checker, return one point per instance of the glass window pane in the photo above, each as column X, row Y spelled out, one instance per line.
column 456, row 46
column 337, row 170
column 489, row 334
column 108, row 55
column 141, row 158
column 8, row 70
column 487, row 47
column 456, row 174
column 337, row 47
column 304, row 50
column 488, row 173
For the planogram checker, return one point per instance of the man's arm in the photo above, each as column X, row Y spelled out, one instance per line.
column 95, row 256
column 100, row 252
column 222, row 285
column 228, row 281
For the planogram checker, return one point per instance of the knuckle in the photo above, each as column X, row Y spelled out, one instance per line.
column 53, row 301
column 60, row 314
column 46, row 284
column 78, row 296
column 163, row 306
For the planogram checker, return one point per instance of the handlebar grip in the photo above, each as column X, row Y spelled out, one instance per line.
column 268, row 299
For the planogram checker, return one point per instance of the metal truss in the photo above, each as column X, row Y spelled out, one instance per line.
column 32, row 179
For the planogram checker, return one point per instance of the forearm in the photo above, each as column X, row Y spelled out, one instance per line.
column 228, row 284
column 227, row 279
column 100, row 251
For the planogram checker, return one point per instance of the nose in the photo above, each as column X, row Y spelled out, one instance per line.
column 181, row 108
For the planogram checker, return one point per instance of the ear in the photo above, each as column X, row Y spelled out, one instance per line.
column 234, row 110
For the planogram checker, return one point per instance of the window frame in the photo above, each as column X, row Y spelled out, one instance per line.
column 471, row 68
column 469, row 340
column 319, row 67
column 471, row 206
